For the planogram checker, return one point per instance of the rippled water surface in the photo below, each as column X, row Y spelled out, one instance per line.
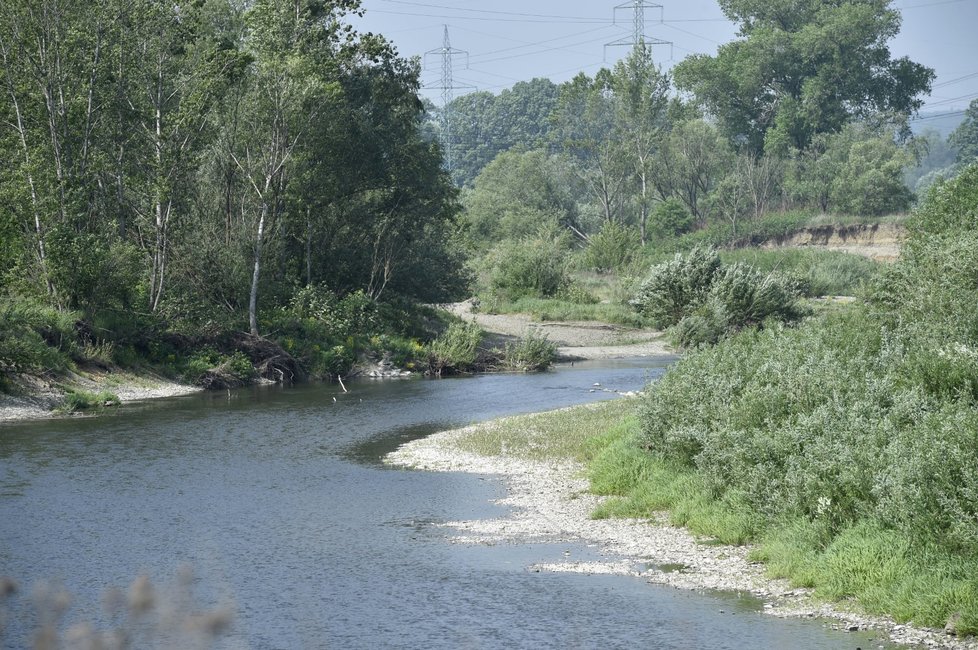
column 277, row 499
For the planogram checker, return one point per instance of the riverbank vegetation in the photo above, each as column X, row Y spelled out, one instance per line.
column 209, row 183
column 847, row 446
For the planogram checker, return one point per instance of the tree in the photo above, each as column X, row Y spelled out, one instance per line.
column 870, row 178
column 801, row 68
column 287, row 94
column 641, row 100
column 691, row 161
column 965, row 137
column 484, row 125
column 585, row 128
column 518, row 193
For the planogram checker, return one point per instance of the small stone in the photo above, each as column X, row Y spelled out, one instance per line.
column 852, row 628
column 951, row 628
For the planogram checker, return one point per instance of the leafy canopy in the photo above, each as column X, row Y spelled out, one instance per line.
column 803, row 67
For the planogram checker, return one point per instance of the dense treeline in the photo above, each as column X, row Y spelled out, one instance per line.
column 196, row 163
column 199, row 152
column 795, row 117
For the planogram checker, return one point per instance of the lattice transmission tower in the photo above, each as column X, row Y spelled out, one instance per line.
column 639, row 38
column 447, row 55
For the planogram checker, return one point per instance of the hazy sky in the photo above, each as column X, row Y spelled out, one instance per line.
column 512, row 40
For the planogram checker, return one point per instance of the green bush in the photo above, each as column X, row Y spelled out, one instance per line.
column 675, row 288
column 611, row 248
column 79, row 400
column 852, row 438
column 704, row 301
column 35, row 338
column 233, row 369
column 533, row 352
column 455, row 350
column 670, row 218
column 535, row 267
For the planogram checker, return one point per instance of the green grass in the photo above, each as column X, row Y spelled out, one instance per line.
column 822, row 272
column 881, row 569
column 566, row 434
column 552, row 309
column 80, row 400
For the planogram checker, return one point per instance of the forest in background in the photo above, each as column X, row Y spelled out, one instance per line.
column 184, row 181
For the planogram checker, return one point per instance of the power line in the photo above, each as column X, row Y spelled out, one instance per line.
column 548, row 21
column 489, row 11
column 955, row 80
column 544, row 51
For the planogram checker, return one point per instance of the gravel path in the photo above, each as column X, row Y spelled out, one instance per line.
column 549, row 502
column 575, row 340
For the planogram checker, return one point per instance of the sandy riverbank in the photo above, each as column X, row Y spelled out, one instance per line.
column 576, row 340
column 549, row 502
column 39, row 399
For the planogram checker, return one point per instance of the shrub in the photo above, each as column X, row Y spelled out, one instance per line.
column 535, row 267
column 670, row 218
column 79, row 400
column 531, row 353
column 455, row 350
column 675, row 288
column 34, row 337
column 611, row 248
column 212, row 369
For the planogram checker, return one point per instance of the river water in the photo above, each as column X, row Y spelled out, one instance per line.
column 278, row 500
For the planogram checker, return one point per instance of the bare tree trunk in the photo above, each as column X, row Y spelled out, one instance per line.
column 308, row 246
column 35, row 208
column 253, row 296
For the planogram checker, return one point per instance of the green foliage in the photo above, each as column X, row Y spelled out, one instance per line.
column 485, row 125
column 455, row 350
column 79, row 400
column 675, row 288
column 850, row 442
column 234, row 368
column 816, row 272
column 516, row 195
column 869, row 180
column 533, row 266
column 670, row 219
column 549, row 309
column 35, row 338
column 965, row 137
column 611, row 248
column 831, row 63
column 531, row 353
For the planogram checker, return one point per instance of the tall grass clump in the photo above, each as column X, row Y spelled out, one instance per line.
column 533, row 352
column 818, row 272
column 851, row 438
column 34, row 337
column 455, row 350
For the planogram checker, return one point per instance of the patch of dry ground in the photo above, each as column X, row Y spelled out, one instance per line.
column 549, row 502
column 576, row 340
column 39, row 398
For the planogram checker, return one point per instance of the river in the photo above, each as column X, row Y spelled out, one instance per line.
column 278, row 500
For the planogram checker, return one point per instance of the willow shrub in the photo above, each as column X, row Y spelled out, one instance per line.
column 455, row 350
column 703, row 300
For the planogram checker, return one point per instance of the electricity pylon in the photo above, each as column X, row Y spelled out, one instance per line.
column 639, row 37
column 447, row 54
